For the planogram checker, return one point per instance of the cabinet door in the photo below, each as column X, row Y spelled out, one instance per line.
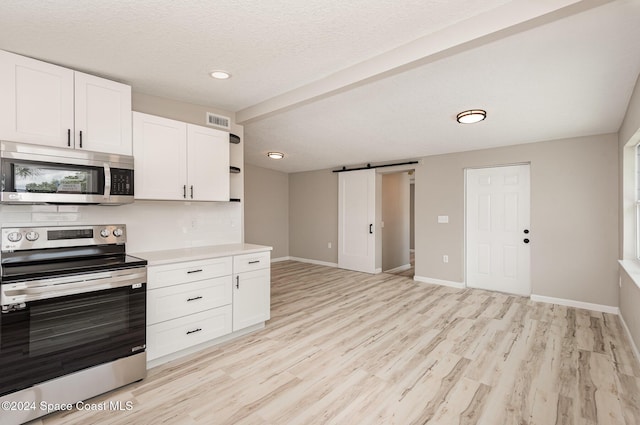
column 160, row 157
column 36, row 105
column 251, row 298
column 102, row 115
column 208, row 164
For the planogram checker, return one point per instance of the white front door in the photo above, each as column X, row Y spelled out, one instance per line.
column 356, row 220
column 497, row 226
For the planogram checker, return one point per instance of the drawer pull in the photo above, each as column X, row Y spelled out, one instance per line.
column 194, row 271
column 194, row 298
column 254, row 262
column 194, row 331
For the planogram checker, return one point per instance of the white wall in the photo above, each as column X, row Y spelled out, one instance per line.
column 266, row 220
column 151, row 225
column 574, row 215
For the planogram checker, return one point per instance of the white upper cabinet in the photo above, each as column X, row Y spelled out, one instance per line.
column 207, row 163
column 160, row 157
column 102, row 115
column 179, row 161
column 47, row 104
column 36, row 105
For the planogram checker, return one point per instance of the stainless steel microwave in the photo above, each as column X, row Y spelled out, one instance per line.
column 33, row 174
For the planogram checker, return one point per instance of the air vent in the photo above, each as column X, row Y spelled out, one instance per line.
column 218, row 121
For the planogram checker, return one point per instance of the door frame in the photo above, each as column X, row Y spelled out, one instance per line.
column 465, row 244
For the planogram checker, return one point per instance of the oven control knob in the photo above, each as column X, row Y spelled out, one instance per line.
column 104, row 233
column 117, row 232
column 32, row 236
column 14, row 236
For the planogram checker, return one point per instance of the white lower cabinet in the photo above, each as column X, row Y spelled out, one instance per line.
column 193, row 302
column 175, row 335
column 251, row 289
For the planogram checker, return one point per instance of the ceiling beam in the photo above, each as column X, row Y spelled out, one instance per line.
column 501, row 22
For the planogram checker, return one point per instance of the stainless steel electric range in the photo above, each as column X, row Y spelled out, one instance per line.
column 73, row 317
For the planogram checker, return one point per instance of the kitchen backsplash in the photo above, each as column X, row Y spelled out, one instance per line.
column 151, row 225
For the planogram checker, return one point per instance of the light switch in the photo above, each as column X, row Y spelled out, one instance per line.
column 443, row 219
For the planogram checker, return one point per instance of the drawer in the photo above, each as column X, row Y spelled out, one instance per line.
column 248, row 262
column 176, row 301
column 191, row 271
column 175, row 335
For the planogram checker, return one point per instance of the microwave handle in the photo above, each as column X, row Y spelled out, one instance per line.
column 107, row 181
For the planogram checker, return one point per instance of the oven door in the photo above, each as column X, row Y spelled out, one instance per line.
column 62, row 325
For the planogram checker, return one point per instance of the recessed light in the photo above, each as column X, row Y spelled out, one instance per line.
column 471, row 116
column 275, row 155
column 220, row 75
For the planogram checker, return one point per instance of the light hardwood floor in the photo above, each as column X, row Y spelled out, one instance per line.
column 350, row 348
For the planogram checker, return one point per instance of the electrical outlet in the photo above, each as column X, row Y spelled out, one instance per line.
column 445, row 258
column 329, row 245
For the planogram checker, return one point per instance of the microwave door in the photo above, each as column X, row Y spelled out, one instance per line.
column 43, row 182
column 40, row 174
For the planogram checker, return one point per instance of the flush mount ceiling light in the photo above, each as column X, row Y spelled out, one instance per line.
column 471, row 116
column 275, row 155
column 220, row 75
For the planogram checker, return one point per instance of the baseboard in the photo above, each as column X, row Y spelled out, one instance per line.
column 577, row 304
column 634, row 347
column 440, row 282
column 399, row 269
column 316, row 262
column 378, row 270
column 277, row 260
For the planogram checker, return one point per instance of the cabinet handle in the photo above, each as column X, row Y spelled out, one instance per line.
column 184, row 191
column 237, row 282
column 194, row 331
column 68, row 137
column 194, row 298
column 191, row 191
column 371, row 229
column 80, row 138
column 194, row 271
column 254, row 262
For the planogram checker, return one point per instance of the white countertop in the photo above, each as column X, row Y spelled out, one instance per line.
column 169, row 256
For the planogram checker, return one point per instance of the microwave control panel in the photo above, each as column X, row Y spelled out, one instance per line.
column 121, row 182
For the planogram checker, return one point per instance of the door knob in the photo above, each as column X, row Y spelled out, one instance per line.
column 526, row 240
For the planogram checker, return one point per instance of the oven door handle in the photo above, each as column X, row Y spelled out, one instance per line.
column 25, row 292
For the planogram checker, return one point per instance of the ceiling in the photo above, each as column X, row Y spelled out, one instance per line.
column 333, row 83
